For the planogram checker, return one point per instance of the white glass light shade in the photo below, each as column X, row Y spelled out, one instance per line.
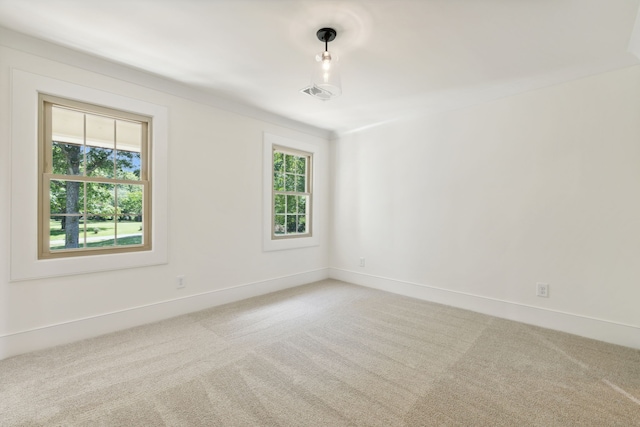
column 326, row 76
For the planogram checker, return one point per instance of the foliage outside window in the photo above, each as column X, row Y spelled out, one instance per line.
column 94, row 186
column 291, row 193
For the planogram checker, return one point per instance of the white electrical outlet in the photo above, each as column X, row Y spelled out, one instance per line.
column 542, row 290
column 361, row 262
column 180, row 282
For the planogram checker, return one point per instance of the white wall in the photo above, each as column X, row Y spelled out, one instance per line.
column 214, row 216
column 473, row 207
column 469, row 208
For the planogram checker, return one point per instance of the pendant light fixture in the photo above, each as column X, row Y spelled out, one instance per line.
column 325, row 79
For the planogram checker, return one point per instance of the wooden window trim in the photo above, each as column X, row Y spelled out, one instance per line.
column 45, row 161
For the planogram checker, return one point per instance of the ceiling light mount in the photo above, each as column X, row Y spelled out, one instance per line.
column 325, row 80
column 326, row 35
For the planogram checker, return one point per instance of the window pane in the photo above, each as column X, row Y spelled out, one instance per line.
column 301, row 164
column 130, row 226
column 290, row 182
column 100, row 215
column 67, row 197
column 100, row 200
column 128, row 149
column 279, row 224
column 290, row 163
column 278, row 181
column 59, row 203
column 129, row 232
column 302, row 204
column 291, row 224
column 100, row 162
column 302, row 223
column 100, row 132
column 100, row 146
column 128, row 136
column 67, row 159
column 128, row 165
column 66, row 232
column 100, row 231
column 278, row 161
column 56, row 232
column 67, row 126
column 130, row 202
column 292, row 206
column 301, row 184
column 280, row 202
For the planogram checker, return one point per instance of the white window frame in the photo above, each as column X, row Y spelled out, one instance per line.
column 25, row 264
column 270, row 241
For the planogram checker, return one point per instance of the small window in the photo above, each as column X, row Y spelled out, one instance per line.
column 292, row 195
column 94, row 187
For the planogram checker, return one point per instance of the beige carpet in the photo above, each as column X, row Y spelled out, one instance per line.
column 326, row 354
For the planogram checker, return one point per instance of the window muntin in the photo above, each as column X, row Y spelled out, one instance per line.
column 292, row 195
column 94, row 186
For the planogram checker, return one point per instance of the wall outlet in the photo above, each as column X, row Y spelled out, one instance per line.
column 361, row 262
column 542, row 290
column 180, row 282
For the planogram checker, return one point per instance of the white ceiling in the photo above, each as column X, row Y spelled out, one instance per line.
column 398, row 57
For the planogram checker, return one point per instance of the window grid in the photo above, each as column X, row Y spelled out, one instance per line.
column 291, row 214
column 122, row 176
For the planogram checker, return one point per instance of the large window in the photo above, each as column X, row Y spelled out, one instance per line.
column 94, row 187
column 291, row 193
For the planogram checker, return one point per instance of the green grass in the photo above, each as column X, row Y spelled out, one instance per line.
column 98, row 229
column 104, row 228
column 122, row 241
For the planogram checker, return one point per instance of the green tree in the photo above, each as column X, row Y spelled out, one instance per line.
column 69, row 196
column 130, row 202
column 67, row 159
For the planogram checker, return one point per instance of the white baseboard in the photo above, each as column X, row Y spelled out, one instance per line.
column 75, row 330
column 602, row 330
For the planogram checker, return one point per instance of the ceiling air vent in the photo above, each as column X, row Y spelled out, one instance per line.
column 317, row 92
